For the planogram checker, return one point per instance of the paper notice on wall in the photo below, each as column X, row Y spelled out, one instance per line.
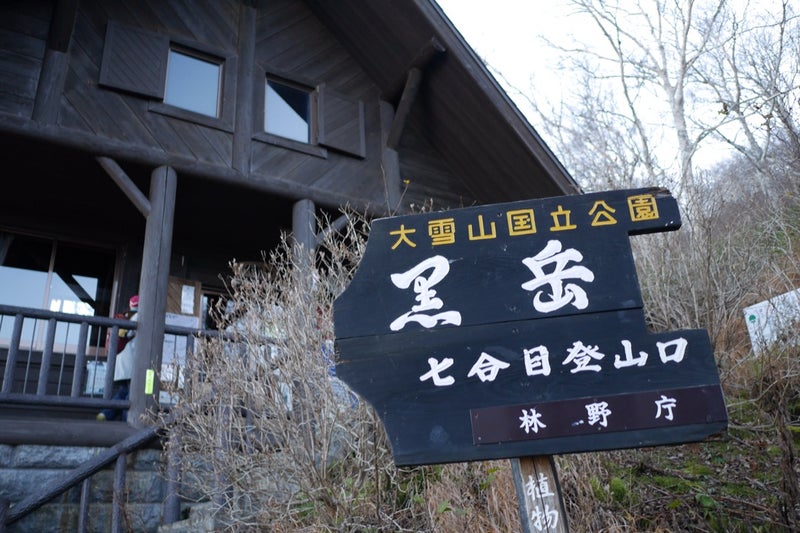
column 187, row 300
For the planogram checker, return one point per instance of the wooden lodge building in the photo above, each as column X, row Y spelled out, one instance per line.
column 147, row 143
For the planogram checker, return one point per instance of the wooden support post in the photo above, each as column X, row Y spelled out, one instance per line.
column 171, row 511
column 83, row 509
column 119, row 498
column 80, row 360
column 3, row 514
column 153, row 294
column 334, row 227
column 244, row 89
column 424, row 57
column 404, row 107
column 304, row 231
column 541, row 506
column 111, row 359
column 390, row 160
column 13, row 353
column 47, row 355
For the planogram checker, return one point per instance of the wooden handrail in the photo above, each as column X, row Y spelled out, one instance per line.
column 87, row 469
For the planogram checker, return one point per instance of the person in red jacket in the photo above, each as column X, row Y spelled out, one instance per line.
column 123, row 366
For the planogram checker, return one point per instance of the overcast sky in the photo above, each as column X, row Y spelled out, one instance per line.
column 508, row 35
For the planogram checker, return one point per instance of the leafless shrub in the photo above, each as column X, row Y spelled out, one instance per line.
column 733, row 253
column 277, row 443
column 267, row 433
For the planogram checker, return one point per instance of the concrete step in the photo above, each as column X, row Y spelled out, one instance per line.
column 201, row 520
column 61, row 517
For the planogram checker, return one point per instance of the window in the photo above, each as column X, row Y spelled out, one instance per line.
column 306, row 116
column 182, row 79
column 48, row 274
column 193, row 83
column 287, row 111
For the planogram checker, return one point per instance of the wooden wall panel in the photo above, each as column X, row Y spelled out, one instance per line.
column 123, row 116
column 292, row 42
column 23, row 36
column 134, row 60
column 426, row 175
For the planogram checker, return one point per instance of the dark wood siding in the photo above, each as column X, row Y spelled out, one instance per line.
column 119, row 115
column 134, row 60
column 341, row 123
column 107, row 94
column 292, row 42
column 24, row 27
column 427, row 176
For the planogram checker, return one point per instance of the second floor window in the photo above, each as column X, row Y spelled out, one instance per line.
column 193, row 83
column 287, row 111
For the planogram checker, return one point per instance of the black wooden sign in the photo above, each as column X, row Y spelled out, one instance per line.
column 517, row 329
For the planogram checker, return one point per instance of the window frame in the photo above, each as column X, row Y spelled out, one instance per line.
column 226, row 101
column 200, row 58
column 311, row 114
column 312, row 147
column 60, row 245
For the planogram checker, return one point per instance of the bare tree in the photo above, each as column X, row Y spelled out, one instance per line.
column 753, row 72
column 669, row 84
column 672, row 82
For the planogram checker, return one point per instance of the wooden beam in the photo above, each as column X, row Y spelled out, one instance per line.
column 137, row 198
column 150, row 156
column 404, row 107
column 62, row 24
column 153, row 284
column 62, row 432
column 333, row 227
column 429, row 51
column 49, row 400
column 390, row 160
column 56, row 62
column 50, row 87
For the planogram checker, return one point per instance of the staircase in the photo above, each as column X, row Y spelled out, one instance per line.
column 27, row 470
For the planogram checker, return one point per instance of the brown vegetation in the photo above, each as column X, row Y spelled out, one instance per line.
column 278, row 443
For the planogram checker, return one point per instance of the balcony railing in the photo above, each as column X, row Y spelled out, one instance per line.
column 58, row 359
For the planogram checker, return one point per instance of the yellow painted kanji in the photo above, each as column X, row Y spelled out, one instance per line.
column 557, row 221
column 643, row 207
column 602, row 214
column 521, row 222
column 442, row 231
column 403, row 234
column 482, row 232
